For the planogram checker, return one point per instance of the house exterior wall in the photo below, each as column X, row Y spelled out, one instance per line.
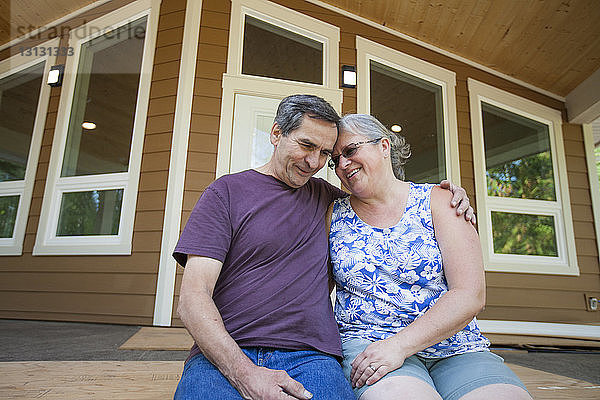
column 121, row 289
column 112, row 289
column 510, row 296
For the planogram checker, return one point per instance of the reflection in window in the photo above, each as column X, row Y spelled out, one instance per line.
column 275, row 52
column 105, row 95
column 517, row 155
column 262, row 149
column 524, row 234
column 19, row 95
column 597, row 154
column 96, row 212
column 8, row 215
column 414, row 104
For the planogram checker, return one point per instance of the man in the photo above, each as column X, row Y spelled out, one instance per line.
column 254, row 294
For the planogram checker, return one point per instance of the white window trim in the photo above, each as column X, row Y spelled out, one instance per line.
column 47, row 243
column 236, row 83
column 566, row 262
column 24, row 188
column 367, row 50
column 588, row 142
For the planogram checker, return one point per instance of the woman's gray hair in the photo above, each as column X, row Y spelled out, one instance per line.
column 370, row 127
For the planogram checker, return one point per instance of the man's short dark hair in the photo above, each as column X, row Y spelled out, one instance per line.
column 293, row 108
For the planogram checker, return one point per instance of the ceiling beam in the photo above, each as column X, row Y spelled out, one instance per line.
column 583, row 103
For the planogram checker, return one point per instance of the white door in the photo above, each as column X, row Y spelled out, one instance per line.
column 253, row 118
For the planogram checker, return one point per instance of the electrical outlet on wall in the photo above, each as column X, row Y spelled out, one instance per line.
column 591, row 301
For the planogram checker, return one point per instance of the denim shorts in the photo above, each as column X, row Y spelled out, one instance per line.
column 320, row 373
column 452, row 377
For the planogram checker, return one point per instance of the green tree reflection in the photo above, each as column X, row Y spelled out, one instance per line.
column 96, row 212
column 525, row 178
column 524, row 234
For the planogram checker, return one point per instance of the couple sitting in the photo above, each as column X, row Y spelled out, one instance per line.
column 255, row 291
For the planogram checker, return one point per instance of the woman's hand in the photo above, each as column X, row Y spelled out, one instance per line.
column 376, row 361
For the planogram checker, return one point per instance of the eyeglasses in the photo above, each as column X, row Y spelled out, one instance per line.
column 348, row 152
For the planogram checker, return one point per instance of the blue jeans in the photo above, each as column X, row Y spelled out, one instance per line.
column 320, row 373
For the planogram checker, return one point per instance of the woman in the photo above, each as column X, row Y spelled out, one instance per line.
column 406, row 318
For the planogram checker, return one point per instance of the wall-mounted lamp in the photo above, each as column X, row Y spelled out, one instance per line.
column 88, row 125
column 55, row 76
column 348, row 76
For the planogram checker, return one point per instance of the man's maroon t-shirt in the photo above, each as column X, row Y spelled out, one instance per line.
column 272, row 239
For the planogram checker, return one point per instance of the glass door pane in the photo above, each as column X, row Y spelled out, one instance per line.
column 274, row 52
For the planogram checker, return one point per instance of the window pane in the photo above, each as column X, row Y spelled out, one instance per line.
column 262, row 149
column 517, row 155
column 524, row 234
column 8, row 215
column 415, row 105
column 19, row 95
column 597, row 154
column 275, row 52
column 105, row 94
column 96, row 212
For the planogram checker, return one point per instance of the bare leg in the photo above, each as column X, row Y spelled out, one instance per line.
column 401, row 388
column 497, row 391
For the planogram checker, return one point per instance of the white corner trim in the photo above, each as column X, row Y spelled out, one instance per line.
column 53, row 24
column 165, row 287
column 436, row 49
column 571, row 331
column 588, row 143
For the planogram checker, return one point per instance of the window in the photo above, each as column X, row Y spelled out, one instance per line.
column 520, row 175
column 416, row 98
column 272, row 42
column 275, row 52
column 23, row 104
column 94, row 169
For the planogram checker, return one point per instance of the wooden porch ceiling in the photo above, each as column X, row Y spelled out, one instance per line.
column 551, row 44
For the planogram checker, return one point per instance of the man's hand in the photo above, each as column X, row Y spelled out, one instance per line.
column 460, row 198
column 268, row 384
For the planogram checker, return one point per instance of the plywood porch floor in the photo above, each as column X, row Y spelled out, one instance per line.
column 117, row 380
column 158, row 379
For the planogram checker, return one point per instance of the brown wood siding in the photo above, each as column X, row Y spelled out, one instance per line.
column 111, row 289
column 211, row 64
column 511, row 296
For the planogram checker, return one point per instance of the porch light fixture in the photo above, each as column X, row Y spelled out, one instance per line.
column 88, row 125
column 396, row 128
column 55, row 76
column 348, row 76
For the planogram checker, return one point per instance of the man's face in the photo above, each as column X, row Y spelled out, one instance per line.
column 303, row 152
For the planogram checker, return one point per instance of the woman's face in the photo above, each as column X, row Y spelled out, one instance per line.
column 360, row 161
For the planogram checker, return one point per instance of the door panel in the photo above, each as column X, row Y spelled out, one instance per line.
column 253, row 118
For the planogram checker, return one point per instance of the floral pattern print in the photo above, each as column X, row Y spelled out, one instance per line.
column 387, row 278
